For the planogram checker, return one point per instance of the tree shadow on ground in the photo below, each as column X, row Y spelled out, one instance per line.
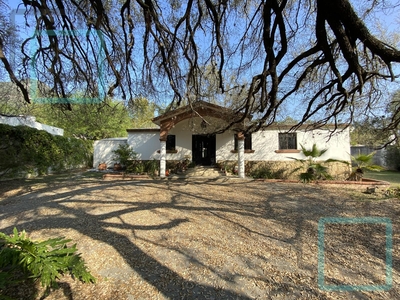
column 281, row 205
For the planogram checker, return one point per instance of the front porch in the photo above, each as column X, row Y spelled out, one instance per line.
column 200, row 130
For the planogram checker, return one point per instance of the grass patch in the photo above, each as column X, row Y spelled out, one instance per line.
column 391, row 176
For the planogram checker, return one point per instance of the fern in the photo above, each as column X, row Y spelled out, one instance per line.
column 46, row 261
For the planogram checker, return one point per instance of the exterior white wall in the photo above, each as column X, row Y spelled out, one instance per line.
column 183, row 132
column 264, row 144
column 103, row 151
column 145, row 144
column 30, row 121
column 225, row 143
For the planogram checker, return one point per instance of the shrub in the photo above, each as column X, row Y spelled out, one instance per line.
column 267, row 172
column 363, row 162
column 392, row 157
column 22, row 259
column 124, row 154
column 314, row 169
column 27, row 150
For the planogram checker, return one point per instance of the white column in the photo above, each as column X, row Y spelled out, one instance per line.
column 163, row 154
column 241, row 158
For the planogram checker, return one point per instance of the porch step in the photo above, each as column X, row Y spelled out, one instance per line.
column 203, row 171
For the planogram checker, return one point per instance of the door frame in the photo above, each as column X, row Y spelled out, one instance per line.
column 206, row 154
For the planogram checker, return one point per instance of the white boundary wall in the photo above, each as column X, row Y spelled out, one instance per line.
column 103, row 151
column 30, row 121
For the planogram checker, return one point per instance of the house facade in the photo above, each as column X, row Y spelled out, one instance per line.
column 196, row 134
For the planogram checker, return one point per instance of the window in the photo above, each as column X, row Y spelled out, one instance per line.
column 247, row 142
column 170, row 143
column 287, row 141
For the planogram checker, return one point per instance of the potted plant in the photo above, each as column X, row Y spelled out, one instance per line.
column 102, row 166
column 117, row 166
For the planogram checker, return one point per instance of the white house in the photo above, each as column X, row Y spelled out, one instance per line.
column 196, row 133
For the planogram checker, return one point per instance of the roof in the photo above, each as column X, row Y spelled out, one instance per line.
column 197, row 108
column 143, row 130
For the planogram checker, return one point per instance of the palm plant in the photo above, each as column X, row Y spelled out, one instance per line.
column 363, row 162
column 315, row 169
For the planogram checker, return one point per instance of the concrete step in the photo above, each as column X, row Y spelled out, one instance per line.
column 202, row 171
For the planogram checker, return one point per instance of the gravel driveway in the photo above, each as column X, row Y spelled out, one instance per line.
column 210, row 239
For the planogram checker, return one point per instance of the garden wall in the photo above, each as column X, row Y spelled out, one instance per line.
column 30, row 121
column 284, row 169
column 103, row 151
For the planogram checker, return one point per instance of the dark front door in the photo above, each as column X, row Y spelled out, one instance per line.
column 203, row 148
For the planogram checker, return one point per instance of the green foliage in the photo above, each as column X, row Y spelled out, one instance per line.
column 143, row 166
column 90, row 121
column 392, row 157
column 369, row 132
column 23, row 259
column 315, row 169
column 364, row 162
column 141, row 110
column 266, row 172
column 25, row 149
column 314, row 152
column 124, row 154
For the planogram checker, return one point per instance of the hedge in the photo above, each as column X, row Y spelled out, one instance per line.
column 28, row 150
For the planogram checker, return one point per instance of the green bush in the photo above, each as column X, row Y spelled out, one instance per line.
column 22, row 259
column 143, row 166
column 28, row 150
column 392, row 157
column 266, row 172
column 124, row 154
column 313, row 166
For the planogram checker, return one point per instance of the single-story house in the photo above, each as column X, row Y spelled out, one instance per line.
column 196, row 133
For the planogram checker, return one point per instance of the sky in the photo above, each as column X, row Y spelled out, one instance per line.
column 387, row 21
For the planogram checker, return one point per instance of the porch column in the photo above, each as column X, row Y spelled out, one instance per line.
column 163, row 154
column 164, row 128
column 240, row 138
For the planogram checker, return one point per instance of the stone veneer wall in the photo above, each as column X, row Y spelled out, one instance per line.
column 284, row 169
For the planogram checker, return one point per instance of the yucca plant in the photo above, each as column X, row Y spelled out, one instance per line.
column 22, row 259
column 315, row 169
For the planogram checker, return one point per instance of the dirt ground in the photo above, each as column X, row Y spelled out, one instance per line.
column 212, row 239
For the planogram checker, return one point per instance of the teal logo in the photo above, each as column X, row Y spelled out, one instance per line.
column 97, row 59
column 321, row 254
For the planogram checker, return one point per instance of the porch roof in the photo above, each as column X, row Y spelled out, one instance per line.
column 198, row 109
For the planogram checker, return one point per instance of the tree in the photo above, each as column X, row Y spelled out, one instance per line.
column 141, row 110
column 318, row 51
column 378, row 131
column 393, row 118
column 90, row 121
column 370, row 132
